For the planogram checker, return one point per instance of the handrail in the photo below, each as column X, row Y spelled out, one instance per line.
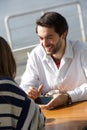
column 8, row 18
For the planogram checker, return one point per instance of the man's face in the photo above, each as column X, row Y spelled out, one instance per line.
column 49, row 39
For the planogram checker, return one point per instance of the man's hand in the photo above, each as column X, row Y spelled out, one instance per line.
column 58, row 100
column 34, row 92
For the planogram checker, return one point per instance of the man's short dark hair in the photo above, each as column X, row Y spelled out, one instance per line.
column 53, row 20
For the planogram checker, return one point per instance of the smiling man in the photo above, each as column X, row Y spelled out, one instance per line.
column 56, row 63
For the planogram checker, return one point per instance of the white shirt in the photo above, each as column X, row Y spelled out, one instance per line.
column 71, row 77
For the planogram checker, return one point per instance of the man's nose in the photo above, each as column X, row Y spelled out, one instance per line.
column 45, row 42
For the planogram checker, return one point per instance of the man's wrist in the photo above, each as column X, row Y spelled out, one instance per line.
column 69, row 99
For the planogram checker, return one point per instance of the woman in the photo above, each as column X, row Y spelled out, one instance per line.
column 17, row 111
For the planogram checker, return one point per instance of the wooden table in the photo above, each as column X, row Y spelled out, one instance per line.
column 72, row 117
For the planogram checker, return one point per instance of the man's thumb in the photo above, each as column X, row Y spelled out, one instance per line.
column 40, row 88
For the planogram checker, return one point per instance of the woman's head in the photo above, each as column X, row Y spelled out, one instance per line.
column 7, row 61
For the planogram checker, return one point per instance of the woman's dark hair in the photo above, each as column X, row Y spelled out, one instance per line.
column 7, row 61
column 53, row 20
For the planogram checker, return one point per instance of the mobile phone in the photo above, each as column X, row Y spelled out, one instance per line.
column 43, row 100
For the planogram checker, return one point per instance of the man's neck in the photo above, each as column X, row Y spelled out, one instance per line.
column 59, row 55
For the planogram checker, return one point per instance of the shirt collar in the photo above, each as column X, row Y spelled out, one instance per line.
column 68, row 51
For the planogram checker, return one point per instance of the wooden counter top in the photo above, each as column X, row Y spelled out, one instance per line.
column 72, row 117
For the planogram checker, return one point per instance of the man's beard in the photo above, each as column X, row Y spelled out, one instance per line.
column 56, row 48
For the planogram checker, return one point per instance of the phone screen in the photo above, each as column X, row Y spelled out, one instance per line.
column 43, row 100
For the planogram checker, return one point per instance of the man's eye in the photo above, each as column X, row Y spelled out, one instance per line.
column 50, row 38
column 40, row 38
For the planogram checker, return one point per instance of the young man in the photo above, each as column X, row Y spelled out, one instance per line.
column 56, row 63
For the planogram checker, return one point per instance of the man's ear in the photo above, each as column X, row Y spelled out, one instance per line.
column 64, row 35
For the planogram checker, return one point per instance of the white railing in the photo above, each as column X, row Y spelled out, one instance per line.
column 20, row 30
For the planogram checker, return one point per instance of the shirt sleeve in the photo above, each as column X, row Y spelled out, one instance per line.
column 38, row 118
column 30, row 76
column 32, row 117
column 80, row 93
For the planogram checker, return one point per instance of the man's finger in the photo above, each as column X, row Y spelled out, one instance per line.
column 40, row 89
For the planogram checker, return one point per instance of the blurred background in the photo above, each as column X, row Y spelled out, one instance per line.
column 17, row 23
